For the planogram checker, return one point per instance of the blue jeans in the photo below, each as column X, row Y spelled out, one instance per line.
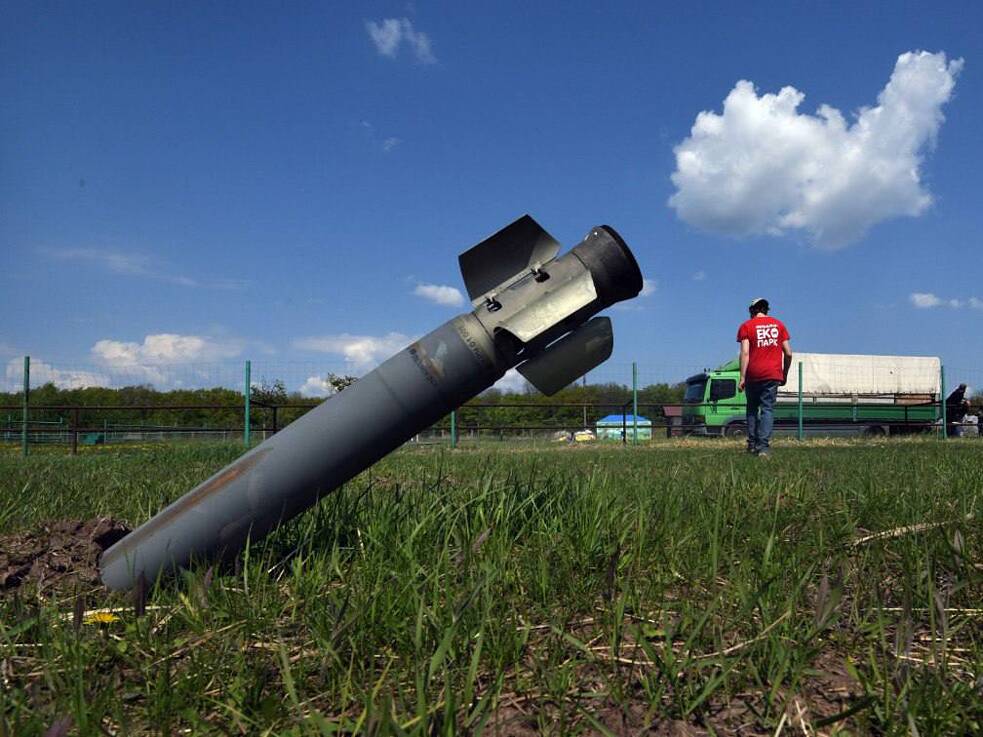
column 761, row 396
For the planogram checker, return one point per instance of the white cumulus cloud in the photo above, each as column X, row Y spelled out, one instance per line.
column 316, row 386
column 164, row 360
column 361, row 352
column 762, row 167
column 158, row 356
column 165, row 348
column 389, row 34
column 440, row 294
column 512, row 383
column 44, row 373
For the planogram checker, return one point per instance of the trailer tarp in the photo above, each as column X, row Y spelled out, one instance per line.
column 844, row 374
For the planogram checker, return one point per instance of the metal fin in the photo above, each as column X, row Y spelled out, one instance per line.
column 495, row 261
column 570, row 357
column 563, row 300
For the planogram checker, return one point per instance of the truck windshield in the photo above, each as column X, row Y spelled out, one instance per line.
column 694, row 391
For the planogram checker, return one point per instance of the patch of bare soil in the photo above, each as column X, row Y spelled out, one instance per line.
column 57, row 558
column 825, row 699
column 827, row 695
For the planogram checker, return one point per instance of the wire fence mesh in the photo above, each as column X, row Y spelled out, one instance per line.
column 307, row 378
column 78, row 404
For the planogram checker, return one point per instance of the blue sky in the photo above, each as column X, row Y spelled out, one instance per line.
column 206, row 182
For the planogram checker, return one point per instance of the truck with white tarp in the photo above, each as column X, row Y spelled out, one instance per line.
column 839, row 394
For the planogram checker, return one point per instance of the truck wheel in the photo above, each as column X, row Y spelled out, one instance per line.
column 737, row 430
column 874, row 431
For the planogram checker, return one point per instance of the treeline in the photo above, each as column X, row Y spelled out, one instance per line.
column 226, row 406
column 122, row 400
column 566, row 409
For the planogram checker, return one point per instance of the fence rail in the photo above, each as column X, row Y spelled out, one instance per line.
column 474, row 422
column 253, row 411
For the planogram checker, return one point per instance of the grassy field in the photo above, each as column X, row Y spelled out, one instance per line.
column 669, row 590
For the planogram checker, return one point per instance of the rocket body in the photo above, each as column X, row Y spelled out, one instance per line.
column 513, row 323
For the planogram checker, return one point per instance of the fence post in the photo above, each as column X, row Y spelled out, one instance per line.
column 945, row 429
column 453, row 428
column 584, row 384
column 801, row 433
column 27, row 402
column 246, row 391
column 634, row 403
column 75, row 431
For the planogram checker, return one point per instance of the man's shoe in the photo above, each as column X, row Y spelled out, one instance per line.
column 763, row 454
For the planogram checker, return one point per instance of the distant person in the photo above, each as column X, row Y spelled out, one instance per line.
column 766, row 356
column 971, row 426
column 956, row 407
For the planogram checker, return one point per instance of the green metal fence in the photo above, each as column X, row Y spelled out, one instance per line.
column 507, row 417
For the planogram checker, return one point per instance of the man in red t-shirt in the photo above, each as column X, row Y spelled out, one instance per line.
column 766, row 356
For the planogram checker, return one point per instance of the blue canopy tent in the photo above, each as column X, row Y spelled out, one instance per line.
column 611, row 427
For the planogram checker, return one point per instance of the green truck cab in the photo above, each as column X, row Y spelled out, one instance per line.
column 713, row 405
column 841, row 395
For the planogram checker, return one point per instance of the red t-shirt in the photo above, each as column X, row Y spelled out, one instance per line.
column 765, row 335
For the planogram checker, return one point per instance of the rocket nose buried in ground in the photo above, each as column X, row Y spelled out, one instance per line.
column 533, row 309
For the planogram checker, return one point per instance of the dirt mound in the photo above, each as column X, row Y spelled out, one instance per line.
column 59, row 557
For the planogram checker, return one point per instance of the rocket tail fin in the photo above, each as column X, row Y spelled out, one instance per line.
column 569, row 358
column 504, row 256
